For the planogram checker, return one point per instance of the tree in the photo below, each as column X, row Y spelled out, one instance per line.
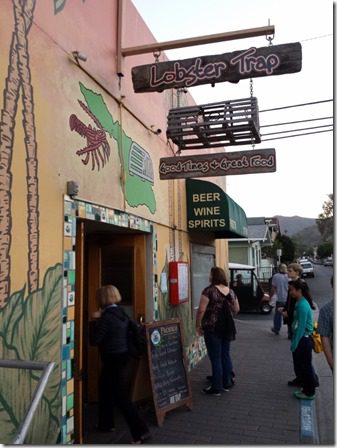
column 288, row 248
column 325, row 220
column 325, row 250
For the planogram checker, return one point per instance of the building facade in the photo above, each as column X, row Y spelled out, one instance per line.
column 82, row 204
column 261, row 234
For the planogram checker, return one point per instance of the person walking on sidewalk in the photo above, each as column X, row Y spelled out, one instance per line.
column 325, row 329
column 279, row 288
column 214, row 320
column 301, row 341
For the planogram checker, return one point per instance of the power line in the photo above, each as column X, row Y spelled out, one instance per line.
column 295, row 135
column 317, row 37
column 299, row 129
column 292, row 122
column 296, row 105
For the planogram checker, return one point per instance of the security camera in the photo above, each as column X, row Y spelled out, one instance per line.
column 72, row 188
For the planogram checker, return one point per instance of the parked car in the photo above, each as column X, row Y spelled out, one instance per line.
column 250, row 293
column 308, row 268
column 328, row 261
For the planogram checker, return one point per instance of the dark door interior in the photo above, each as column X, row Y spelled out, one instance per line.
column 110, row 256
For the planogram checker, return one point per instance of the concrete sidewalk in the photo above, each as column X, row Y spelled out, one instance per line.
column 325, row 401
column 260, row 409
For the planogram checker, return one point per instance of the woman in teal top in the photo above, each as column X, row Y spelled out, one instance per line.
column 301, row 342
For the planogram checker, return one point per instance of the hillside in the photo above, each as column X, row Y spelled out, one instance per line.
column 303, row 231
column 309, row 236
column 291, row 225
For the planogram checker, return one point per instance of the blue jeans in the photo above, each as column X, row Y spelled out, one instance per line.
column 218, row 352
column 302, row 357
column 278, row 316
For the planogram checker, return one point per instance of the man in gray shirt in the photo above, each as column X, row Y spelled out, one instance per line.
column 279, row 288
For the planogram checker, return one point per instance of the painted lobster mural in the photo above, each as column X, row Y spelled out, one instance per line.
column 97, row 148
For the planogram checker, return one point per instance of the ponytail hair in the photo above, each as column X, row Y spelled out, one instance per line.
column 302, row 285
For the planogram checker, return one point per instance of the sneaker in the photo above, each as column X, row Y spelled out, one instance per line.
column 142, row 439
column 295, row 382
column 210, row 391
column 274, row 331
column 302, row 396
column 228, row 386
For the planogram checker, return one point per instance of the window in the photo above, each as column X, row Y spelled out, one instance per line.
column 203, row 259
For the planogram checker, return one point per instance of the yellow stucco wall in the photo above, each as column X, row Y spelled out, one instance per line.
column 37, row 322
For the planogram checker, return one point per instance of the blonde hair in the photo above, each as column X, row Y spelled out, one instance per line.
column 295, row 267
column 283, row 268
column 108, row 295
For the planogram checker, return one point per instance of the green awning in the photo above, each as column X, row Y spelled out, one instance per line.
column 210, row 209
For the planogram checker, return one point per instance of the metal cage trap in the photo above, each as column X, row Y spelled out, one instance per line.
column 226, row 123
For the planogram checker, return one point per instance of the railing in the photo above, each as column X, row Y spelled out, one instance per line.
column 47, row 368
column 264, row 272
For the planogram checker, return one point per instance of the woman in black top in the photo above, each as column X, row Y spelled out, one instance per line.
column 110, row 335
column 214, row 320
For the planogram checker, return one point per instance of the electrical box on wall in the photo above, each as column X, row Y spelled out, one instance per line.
column 179, row 282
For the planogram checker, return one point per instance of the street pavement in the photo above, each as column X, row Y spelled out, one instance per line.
column 259, row 410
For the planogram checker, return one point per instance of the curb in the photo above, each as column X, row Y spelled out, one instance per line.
column 308, row 423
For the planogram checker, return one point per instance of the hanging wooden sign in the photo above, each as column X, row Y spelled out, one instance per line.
column 251, row 63
column 218, row 164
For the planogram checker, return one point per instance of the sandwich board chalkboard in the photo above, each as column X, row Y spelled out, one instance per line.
column 167, row 367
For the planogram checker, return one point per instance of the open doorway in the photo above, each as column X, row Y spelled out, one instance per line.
column 105, row 254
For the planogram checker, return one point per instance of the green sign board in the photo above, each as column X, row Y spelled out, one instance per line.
column 210, row 209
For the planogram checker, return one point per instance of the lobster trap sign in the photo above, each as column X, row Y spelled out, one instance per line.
column 218, row 164
column 251, row 63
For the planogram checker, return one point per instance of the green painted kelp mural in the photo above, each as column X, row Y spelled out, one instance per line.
column 30, row 329
column 137, row 184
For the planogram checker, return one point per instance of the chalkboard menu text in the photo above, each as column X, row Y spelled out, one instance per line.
column 167, row 366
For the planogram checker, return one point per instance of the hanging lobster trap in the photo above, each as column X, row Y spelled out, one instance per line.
column 226, row 123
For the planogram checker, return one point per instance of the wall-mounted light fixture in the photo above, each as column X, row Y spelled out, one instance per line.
column 79, row 56
column 72, row 188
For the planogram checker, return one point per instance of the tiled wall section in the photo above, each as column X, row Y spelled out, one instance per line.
column 68, row 322
column 155, row 276
column 73, row 210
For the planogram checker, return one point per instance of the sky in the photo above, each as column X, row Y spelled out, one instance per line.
column 304, row 174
